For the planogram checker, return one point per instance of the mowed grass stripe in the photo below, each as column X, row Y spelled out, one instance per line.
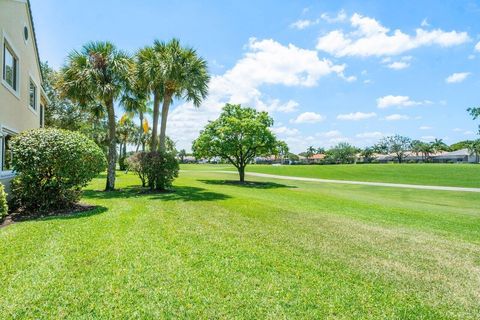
column 270, row 250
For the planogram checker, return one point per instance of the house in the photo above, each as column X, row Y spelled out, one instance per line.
column 22, row 99
column 462, row 155
column 316, row 158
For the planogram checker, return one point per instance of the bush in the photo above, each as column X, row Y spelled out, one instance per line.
column 155, row 169
column 134, row 164
column 3, row 203
column 53, row 165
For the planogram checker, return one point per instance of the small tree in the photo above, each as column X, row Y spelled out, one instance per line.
column 237, row 136
column 396, row 144
column 342, row 153
column 474, row 149
column 368, row 154
column 182, row 154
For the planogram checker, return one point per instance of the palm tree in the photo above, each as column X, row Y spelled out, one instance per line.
column 474, row 149
column 97, row 75
column 171, row 71
column 135, row 100
column 438, row 145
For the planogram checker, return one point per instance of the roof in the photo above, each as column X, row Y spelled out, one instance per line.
column 318, row 156
column 458, row 153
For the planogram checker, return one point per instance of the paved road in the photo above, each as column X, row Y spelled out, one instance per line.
column 377, row 184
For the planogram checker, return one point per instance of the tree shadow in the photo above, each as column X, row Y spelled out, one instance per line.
column 248, row 184
column 77, row 212
column 179, row 193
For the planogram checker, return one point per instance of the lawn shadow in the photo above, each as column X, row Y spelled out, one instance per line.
column 179, row 193
column 248, row 184
column 77, row 212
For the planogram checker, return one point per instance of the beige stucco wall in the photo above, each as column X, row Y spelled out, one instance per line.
column 15, row 113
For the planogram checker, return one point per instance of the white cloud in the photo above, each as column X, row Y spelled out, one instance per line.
column 283, row 130
column 425, row 128
column 303, row 24
column 477, row 46
column 457, row 77
column 425, row 23
column 457, row 130
column 398, row 101
column 370, row 135
column 396, row 117
column 340, row 17
column 370, row 38
column 266, row 62
column 427, row 138
column 330, row 134
column 308, row 117
column 398, row 65
column 356, row 116
column 468, row 133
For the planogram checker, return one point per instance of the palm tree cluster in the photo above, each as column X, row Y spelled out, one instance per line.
column 100, row 75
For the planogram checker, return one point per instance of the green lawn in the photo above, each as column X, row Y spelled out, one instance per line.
column 455, row 175
column 281, row 249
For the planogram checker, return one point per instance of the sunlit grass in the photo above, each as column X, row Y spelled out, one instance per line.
column 270, row 249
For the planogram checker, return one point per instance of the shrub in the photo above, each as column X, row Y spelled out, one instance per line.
column 53, row 165
column 134, row 164
column 155, row 169
column 3, row 203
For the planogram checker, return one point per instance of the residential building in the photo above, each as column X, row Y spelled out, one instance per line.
column 22, row 99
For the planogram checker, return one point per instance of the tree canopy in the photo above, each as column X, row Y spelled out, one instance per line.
column 238, row 136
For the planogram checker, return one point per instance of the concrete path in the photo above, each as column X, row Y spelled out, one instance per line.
column 365, row 183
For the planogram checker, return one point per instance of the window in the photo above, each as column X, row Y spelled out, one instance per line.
column 33, row 95
column 6, row 161
column 41, row 116
column 10, row 67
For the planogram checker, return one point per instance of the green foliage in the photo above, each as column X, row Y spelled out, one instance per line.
column 155, row 169
column 134, row 164
column 460, row 145
column 171, row 71
column 475, row 113
column 53, row 165
column 396, row 144
column 342, row 153
column 3, row 203
column 238, row 135
column 94, row 78
column 368, row 154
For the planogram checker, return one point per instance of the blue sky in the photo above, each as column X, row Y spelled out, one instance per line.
column 327, row 71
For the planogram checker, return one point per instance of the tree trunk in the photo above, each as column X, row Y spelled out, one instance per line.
column 156, row 107
column 112, row 147
column 241, row 173
column 125, row 148
column 163, row 129
column 140, row 115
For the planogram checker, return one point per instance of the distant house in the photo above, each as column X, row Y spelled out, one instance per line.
column 459, row 156
column 22, row 99
column 316, row 158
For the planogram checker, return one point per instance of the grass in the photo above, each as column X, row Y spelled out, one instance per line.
column 269, row 249
column 454, row 175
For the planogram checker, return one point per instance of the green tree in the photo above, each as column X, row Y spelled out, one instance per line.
column 396, row 144
column 182, row 154
column 61, row 113
column 237, row 136
column 282, row 150
column 135, row 101
column 310, row 152
column 342, row 153
column 438, row 145
column 97, row 75
column 460, row 145
column 368, row 154
column 171, row 71
column 475, row 113
column 474, row 149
